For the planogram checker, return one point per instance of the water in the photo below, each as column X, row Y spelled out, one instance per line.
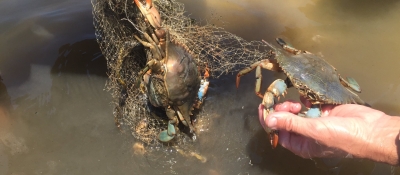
column 58, row 119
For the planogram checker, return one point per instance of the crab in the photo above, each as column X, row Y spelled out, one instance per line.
column 171, row 78
column 314, row 78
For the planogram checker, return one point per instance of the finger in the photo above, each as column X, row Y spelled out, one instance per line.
column 307, row 147
column 289, row 106
column 295, row 143
column 326, row 130
column 289, row 122
column 298, row 144
column 284, row 140
column 326, row 109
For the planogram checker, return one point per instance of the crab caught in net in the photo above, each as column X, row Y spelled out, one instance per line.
column 143, row 42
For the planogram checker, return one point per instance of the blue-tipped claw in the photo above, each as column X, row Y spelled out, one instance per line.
column 281, row 86
column 203, row 89
column 278, row 88
column 164, row 137
column 313, row 112
column 169, row 134
column 171, row 129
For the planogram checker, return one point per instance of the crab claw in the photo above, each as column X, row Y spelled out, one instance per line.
column 278, row 87
column 167, row 135
column 203, row 89
column 272, row 134
column 313, row 112
column 268, row 101
column 274, row 138
column 164, row 137
column 150, row 12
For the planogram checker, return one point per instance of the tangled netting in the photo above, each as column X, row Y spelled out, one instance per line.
column 117, row 21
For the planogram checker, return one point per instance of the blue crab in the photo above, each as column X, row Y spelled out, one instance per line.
column 312, row 76
column 171, row 78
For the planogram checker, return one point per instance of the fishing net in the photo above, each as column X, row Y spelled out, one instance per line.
column 117, row 21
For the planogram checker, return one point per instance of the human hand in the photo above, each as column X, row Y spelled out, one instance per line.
column 345, row 129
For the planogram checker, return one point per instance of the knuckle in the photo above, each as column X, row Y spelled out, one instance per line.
column 290, row 124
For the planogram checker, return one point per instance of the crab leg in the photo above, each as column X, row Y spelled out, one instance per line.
column 151, row 64
column 287, row 47
column 314, row 111
column 185, row 111
column 156, row 51
column 153, row 17
column 276, row 89
column 150, row 12
column 351, row 83
column 265, row 64
column 170, row 132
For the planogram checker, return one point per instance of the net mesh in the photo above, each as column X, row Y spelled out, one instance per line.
column 117, row 21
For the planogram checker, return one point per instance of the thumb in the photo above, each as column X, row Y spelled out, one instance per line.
column 289, row 122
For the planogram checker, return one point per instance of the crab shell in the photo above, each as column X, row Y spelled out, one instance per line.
column 179, row 84
column 315, row 79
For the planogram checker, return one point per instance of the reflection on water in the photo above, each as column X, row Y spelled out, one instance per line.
column 57, row 119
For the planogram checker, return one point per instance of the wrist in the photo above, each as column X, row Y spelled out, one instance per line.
column 384, row 143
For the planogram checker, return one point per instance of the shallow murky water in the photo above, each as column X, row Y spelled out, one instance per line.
column 57, row 119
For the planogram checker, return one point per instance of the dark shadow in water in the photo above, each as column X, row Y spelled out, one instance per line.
column 5, row 108
column 282, row 161
column 268, row 159
column 83, row 57
column 5, row 100
column 32, row 36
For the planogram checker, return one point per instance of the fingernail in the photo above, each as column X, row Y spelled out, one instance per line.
column 272, row 122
